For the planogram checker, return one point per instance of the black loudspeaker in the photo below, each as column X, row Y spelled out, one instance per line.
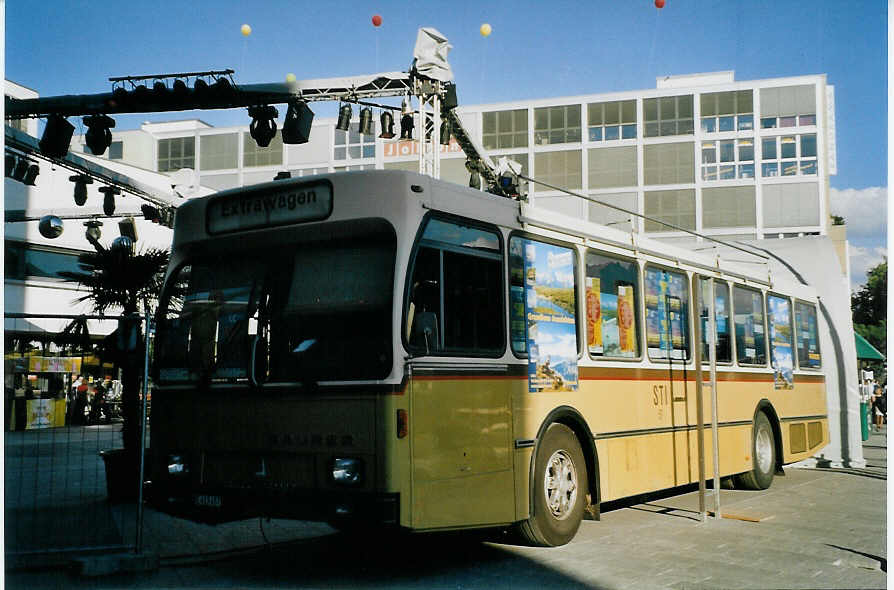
column 56, row 137
column 296, row 127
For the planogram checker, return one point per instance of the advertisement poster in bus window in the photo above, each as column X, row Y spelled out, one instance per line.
column 664, row 314
column 626, row 315
column 806, row 318
column 550, row 313
column 781, row 342
column 594, row 316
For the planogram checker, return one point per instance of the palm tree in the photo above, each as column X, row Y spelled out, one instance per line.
column 120, row 278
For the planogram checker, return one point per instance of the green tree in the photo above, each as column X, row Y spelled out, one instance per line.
column 870, row 312
column 122, row 279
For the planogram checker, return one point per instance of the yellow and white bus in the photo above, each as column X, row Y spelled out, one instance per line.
column 383, row 347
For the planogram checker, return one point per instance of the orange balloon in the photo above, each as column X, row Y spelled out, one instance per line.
column 377, row 20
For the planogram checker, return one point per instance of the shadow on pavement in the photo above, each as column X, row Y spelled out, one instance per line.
column 394, row 560
column 883, row 562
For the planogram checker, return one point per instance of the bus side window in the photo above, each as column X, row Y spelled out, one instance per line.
column 807, row 336
column 455, row 294
column 748, row 316
column 721, row 318
column 425, row 299
column 667, row 315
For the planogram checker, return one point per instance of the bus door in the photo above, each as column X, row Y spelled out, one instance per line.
column 460, row 429
column 667, row 323
column 460, row 419
column 678, row 393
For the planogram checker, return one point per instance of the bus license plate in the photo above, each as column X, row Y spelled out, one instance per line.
column 207, row 501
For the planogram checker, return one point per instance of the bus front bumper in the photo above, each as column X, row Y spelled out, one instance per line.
column 218, row 505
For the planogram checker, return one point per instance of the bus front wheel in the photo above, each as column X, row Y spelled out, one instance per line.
column 763, row 456
column 559, row 489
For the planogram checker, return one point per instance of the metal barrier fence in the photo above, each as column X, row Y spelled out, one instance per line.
column 58, row 497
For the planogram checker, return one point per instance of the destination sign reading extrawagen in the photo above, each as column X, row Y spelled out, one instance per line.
column 266, row 208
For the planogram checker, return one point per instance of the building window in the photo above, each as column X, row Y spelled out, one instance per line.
column 748, row 309
column 350, row 145
column 456, row 295
column 669, row 163
column 790, row 205
column 670, row 115
column 612, row 287
column 116, row 150
column 557, row 124
column 676, row 207
column 667, row 317
column 727, row 111
column 608, row 121
column 789, row 155
column 732, row 206
column 561, row 169
column 613, row 217
column 253, row 155
column 22, row 261
column 219, row 151
column 505, row 129
column 611, row 167
column 788, row 106
column 728, row 159
column 176, row 153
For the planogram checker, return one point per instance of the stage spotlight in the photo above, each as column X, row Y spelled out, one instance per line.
column 98, row 136
column 21, row 168
column 445, row 132
column 263, row 124
column 344, row 117
column 108, row 201
column 387, row 121
column 80, row 190
column 366, row 116
column 296, row 127
column 56, row 137
column 93, row 233
column 31, row 175
column 406, row 126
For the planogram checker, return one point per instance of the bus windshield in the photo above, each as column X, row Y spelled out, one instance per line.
column 314, row 311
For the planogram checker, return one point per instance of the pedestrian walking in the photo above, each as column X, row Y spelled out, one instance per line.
column 879, row 407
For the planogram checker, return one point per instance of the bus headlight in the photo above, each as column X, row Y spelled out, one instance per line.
column 177, row 465
column 347, row 471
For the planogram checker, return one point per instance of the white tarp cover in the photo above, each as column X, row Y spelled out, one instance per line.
column 837, row 346
column 431, row 55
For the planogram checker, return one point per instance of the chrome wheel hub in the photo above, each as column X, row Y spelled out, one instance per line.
column 560, row 484
column 763, row 450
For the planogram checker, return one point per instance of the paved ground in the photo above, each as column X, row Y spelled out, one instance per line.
column 817, row 529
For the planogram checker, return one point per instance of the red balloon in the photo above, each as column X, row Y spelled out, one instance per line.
column 377, row 19
column 659, row 3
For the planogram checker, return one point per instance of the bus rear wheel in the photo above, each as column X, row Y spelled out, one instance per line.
column 763, row 456
column 559, row 489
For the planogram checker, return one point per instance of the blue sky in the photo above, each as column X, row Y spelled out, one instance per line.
column 536, row 50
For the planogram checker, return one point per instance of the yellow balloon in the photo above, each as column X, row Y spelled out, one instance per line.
column 290, row 78
column 246, row 30
column 485, row 30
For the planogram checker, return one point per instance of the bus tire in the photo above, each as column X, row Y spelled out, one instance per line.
column 559, row 489
column 763, row 456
